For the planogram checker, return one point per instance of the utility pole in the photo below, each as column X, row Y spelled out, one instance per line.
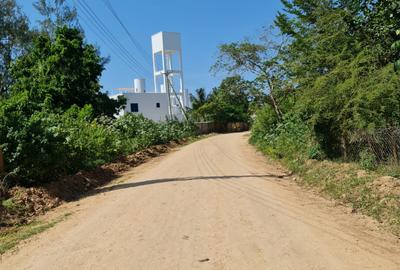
column 167, row 88
column 179, row 101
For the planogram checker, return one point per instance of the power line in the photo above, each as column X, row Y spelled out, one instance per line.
column 107, row 34
column 117, row 53
column 145, row 55
column 109, row 40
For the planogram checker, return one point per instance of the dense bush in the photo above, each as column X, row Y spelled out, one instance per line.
column 290, row 138
column 32, row 145
column 367, row 160
column 230, row 102
column 63, row 72
column 45, row 145
column 339, row 62
column 88, row 142
column 264, row 122
column 138, row 132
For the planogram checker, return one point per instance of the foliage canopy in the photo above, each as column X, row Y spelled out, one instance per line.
column 15, row 37
column 335, row 71
column 61, row 73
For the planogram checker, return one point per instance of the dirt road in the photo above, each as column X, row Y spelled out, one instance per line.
column 214, row 204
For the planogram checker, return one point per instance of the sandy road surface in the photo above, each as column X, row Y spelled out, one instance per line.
column 214, row 204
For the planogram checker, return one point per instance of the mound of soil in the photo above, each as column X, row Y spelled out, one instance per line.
column 387, row 185
column 20, row 205
column 25, row 203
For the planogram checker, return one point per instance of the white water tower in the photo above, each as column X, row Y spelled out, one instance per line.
column 167, row 65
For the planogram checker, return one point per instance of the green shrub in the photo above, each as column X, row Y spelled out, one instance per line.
column 315, row 151
column 138, row 132
column 367, row 160
column 32, row 147
column 89, row 143
column 41, row 145
column 289, row 139
column 45, row 145
column 9, row 204
column 264, row 123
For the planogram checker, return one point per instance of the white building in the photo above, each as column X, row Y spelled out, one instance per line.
column 169, row 99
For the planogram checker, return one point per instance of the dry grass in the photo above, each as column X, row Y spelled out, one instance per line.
column 12, row 237
column 367, row 192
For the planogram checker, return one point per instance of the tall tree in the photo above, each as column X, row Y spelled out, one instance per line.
column 396, row 47
column 341, row 62
column 61, row 73
column 15, row 37
column 56, row 13
column 392, row 14
column 199, row 99
column 227, row 103
column 262, row 60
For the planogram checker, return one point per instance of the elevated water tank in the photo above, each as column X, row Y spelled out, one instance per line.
column 139, row 85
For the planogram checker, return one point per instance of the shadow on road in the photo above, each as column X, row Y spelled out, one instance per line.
column 182, row 179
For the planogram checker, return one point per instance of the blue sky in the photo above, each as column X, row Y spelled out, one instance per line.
column 203, row 24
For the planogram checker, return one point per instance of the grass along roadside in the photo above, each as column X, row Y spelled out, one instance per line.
column 10, row 238
column 368, row 192
column 365, row 187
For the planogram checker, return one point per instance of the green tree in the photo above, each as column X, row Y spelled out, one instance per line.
column 228, row 103
column 396, row 47
column 262, row 60
column 56, row 13
column 15, row 37
column 61, row 73
column 199, row 99
column 380, row 21
column 340, row 61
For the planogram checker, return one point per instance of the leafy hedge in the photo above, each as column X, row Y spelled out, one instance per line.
column 290, row 139
column 45, row 145
column 137, row 132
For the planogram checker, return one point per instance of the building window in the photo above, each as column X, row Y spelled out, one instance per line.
column 158, row 104
column 134, row 107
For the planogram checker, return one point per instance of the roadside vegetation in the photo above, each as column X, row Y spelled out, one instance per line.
column 54, row 119
column 10, row 239
column 329, row 71
column 233, row 101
